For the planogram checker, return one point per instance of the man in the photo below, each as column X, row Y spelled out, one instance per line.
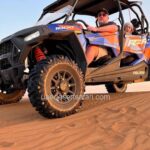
column 94, row 51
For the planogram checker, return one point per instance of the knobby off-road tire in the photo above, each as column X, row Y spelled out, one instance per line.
column 13, row 97
column 116, row 88
column 51, row 83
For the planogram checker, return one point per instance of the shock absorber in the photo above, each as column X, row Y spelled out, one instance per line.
column 39, row 55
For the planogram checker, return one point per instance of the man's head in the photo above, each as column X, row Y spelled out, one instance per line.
column 103, row 16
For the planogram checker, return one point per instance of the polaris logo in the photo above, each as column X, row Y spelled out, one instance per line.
column 139, row 72
column 65, row 28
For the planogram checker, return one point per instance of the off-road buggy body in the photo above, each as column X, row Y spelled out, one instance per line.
column 49, row 58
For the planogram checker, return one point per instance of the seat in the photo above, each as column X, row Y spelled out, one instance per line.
column 100, row 61
column 103, row 60
column 129, row 59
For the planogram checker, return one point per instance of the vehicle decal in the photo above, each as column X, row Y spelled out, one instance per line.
column 61, row 27
column 134, row 44
column 105, row 39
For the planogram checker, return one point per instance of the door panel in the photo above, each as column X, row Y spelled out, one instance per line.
column 135, row 44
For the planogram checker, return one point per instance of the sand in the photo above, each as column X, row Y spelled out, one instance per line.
column 116, row 122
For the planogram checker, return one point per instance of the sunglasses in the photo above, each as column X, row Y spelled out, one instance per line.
column 102, row 14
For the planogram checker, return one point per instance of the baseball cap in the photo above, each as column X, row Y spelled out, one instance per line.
column 103, row 10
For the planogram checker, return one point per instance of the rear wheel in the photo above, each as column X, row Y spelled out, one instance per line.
column 11, row 97
column 54, row 85
column 116, row 87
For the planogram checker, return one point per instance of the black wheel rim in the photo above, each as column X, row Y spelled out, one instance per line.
column 120, row 85
column 63, row 87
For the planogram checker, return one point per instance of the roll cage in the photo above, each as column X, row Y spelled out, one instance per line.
column 91, row 8
column 143, row 23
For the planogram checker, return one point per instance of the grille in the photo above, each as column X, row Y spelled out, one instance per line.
column 4, row 64
column 7, row 61
column 6, row 47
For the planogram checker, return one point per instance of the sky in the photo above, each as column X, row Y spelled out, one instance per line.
column 19, row 14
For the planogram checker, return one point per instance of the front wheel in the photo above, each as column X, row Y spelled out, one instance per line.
column 116, row 87
column 55, row 87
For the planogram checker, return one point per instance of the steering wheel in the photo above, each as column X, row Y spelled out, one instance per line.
column 83, row 22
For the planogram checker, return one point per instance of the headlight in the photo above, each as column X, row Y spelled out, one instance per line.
column 32, row 36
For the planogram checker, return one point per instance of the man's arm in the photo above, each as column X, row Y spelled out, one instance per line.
column 108, row 28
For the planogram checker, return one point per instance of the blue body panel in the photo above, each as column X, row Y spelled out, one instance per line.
column 108, row 40
column 93, row 38
column 97, row 39
column 148, row 43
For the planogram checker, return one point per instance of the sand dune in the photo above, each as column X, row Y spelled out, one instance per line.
column 134, row 87
column 120, row 123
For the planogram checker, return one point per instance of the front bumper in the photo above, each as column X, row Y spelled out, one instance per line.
column 12, row 76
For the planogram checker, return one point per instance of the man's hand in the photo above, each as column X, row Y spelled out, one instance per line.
column 94, row 29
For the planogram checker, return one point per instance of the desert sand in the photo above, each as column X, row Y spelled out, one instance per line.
column 117, row 122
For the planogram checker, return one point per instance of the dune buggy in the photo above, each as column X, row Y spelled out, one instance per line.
column 49, row 58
